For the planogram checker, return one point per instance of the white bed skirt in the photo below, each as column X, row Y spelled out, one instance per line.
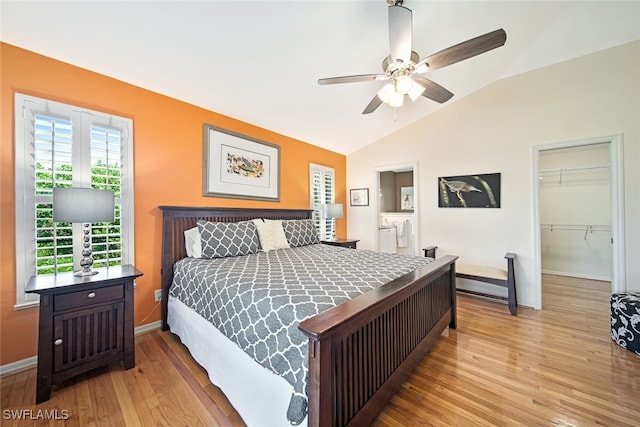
column 258, row 395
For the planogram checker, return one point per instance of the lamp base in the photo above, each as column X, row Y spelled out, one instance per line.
column 86, row 262
column 82, row 273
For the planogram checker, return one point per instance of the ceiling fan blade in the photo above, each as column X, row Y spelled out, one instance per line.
column 465, row 50
column 375, row 103
column 352, row 79
column 400, row 33
column 433, row 90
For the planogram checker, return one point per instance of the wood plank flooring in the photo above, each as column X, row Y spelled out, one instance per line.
column 554, row 367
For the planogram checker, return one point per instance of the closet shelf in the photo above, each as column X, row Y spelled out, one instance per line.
column 587, row 228
column 570, row 171
column 574, row 170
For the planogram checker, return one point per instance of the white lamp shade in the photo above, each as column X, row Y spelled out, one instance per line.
column 83, row 205
column 333, row 210
column 397, row 100
column 386, row 92
column 416, row 91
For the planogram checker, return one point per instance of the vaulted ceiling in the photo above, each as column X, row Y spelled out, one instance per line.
column 259, row 61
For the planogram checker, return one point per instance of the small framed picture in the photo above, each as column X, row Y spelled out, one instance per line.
column 406, row 198
column 359, row 197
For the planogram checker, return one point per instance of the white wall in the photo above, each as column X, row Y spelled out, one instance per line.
column 494, row 130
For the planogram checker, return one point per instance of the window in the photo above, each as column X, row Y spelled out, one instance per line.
column 59, row 145
column 322, row 191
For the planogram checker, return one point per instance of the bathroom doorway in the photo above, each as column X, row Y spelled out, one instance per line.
column 396, row 209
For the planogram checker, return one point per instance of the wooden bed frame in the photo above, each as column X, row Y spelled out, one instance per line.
column 360, row 351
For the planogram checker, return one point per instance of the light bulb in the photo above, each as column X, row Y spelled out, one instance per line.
column 404, row 84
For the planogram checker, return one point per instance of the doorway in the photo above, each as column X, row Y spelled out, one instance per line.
column 597, row 234
column 396, row 208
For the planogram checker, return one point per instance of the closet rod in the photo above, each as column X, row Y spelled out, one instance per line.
column 562, row 171
column 576, row 227
column 588, row 168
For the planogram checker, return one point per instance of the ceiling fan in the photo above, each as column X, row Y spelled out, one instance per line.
column 403, row 66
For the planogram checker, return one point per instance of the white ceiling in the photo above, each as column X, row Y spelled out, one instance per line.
column 259, row 61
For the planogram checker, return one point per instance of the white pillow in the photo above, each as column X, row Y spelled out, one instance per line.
column 271, row 234
column 192, row 242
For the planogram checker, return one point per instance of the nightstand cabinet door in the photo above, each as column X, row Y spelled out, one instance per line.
column 84, row 336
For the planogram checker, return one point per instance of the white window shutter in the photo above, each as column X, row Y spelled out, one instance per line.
column 59, row 145
column 322, row 191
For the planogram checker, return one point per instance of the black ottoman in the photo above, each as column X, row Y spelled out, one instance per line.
column 625, row 320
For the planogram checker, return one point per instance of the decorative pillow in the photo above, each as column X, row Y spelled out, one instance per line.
column 223, row 239
column 192, row 242
column 271, row 234
column 300, row 232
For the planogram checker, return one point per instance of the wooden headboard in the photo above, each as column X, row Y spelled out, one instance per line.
column 177, row 219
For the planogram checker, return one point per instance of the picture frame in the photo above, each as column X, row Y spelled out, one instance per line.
column 469, row 191
column 359, row 197
column 406, row 198
column 239, row 167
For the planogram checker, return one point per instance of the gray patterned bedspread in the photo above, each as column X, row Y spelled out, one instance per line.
column 258, row 300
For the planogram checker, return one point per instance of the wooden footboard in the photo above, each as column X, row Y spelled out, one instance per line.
column 361, row 351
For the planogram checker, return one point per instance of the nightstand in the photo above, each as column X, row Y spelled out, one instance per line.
column 344, row 243
column 85, row 322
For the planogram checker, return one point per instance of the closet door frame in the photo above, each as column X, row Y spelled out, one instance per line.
column 618, row 270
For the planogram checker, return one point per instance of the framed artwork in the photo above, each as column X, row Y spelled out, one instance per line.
column 406, row 198
column 469, row 191
column 359, row 197
column 240, row 167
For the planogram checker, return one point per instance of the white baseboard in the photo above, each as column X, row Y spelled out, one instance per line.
column 20, row 365
column 148, row 327
column 579, row 276
column 31, row 362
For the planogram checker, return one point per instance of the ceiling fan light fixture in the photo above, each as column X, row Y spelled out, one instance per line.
column 404, row 84
column 416, row 91
column 386, row 93
column 397, row 100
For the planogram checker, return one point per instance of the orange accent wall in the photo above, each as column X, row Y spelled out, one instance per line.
column 167, row 169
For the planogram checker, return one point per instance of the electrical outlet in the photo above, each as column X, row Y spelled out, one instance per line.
column 158, row 295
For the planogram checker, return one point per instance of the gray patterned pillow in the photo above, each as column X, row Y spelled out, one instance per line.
column 223, row 239
column 300, row 232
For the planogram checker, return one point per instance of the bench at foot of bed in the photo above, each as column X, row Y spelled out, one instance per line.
column 495, row 276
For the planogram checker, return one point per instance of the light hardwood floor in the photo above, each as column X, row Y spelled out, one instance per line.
column 555, row 367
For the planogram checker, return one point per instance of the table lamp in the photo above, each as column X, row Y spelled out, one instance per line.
column 333, row 210
column 86, row 206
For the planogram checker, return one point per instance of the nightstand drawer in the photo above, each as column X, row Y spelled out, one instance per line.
column 89, row 297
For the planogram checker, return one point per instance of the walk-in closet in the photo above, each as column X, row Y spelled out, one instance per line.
column 575, row 211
